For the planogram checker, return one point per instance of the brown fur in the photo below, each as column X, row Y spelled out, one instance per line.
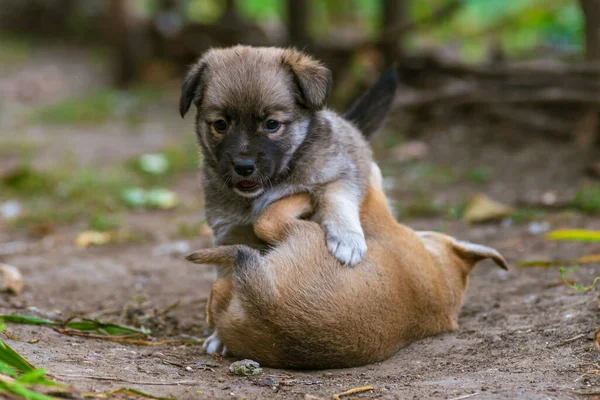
column 296, row 307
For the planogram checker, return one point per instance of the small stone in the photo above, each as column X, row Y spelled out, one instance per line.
column 535, row 228
column 245, row 368
column 12, row 279
column 549, row 198
column 188, row 368
column 10, row 209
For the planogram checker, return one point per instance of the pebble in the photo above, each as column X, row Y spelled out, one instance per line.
column 10, row 209
column 245, row 368
column 535, row 228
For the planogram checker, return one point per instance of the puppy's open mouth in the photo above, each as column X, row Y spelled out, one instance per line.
column 248, row 187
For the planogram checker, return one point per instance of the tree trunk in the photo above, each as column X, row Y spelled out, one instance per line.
column 297, row 18
column 586, row 129
column 591, row 14
column 120, row 40
column 394, row 14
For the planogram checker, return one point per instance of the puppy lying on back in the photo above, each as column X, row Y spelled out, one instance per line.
column 297, row 308
column 265, row 134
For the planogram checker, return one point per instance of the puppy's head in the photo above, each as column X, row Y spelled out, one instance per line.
column 254, row 107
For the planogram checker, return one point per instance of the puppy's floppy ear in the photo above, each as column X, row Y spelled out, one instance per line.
column 476, row 252
column 312, row 77
column 191, row 89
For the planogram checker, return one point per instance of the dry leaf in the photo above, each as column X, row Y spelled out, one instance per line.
column 483, row 209
column 12, row 280
column 88, row 238
column 356, row 390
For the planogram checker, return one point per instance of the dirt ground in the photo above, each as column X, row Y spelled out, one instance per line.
column 522, row 334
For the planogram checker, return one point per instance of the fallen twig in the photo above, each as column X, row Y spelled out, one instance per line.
column 567, row 341
column 10, row 336
column 588, row 372
column 114, row 379
column 126, row 391
column 466, row 396
column 352, row 391
column 596, row 393
column 127, row 339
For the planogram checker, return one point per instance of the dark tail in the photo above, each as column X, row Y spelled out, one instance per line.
column 369, row 111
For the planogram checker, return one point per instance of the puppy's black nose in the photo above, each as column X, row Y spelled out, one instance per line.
column 244, row 167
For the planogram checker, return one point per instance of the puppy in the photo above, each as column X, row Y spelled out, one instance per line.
column 264, row 135
column 296, row 308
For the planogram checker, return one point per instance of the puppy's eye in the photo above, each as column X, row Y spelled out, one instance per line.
column 272, row 126
column 220, row 125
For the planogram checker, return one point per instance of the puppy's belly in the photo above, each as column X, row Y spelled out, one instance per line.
column 324, row 316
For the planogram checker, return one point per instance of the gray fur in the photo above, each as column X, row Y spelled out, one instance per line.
column 321, row 152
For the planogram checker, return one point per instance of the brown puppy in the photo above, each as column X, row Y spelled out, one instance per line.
column 297, row 307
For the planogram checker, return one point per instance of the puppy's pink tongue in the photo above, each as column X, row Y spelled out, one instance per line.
column 247, row 184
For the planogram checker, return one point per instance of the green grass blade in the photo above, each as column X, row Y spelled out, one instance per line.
column 111, row 329
column 581, row 235
column 6, row 369
column 131, row 392
column 36, row 377
column 18, row 389
column 84, row 325
column 577, row 286
column 24, row 319
column 14, row 359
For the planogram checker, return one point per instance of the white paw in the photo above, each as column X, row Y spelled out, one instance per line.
column 214, row 345
column 349, row 247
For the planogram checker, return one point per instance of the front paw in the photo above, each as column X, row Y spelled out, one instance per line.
column 214, row 345
column 259, row 205
column 349, row 247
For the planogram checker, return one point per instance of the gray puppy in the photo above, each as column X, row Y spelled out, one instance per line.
column 265, row 134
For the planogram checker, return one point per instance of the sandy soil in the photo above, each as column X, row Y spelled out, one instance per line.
column 522, row 334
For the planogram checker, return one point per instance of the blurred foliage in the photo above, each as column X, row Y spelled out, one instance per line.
column 518, row 27
column 588, row 199
column 98, row 106
column 67, row 193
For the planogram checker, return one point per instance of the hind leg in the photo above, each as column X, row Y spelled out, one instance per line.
column 218, row 302
column 220, row 294
column 273, row 224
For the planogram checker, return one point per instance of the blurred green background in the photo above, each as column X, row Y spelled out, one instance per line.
column 89, row 131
